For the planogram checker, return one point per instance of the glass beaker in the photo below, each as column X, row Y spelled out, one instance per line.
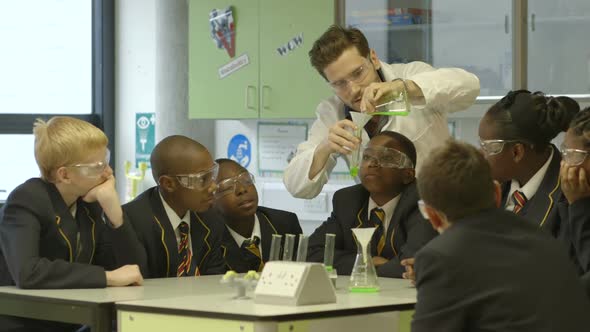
column 394, row 104
column 329, row 257
column 363, row 278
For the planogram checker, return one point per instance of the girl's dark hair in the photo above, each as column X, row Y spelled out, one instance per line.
column 532, row 117
column 580, row 125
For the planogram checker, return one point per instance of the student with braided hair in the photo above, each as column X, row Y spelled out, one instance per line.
column 515, row 136
column 575, row 170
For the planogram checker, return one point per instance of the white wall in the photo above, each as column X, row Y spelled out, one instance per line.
column 135, row 57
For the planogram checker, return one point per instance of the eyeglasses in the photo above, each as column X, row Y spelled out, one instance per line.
column 422, row 208
column 494, row 146
column 386, row 157
column 358, row 75
column 229, row 185
column 93, row 170
column 199, row 181
column 573, row 157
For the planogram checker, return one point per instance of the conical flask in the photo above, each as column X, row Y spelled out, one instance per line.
column 363, row 278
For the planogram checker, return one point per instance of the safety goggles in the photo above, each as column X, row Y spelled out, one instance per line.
column 494, row 146
column 93, row 170
column 573, row 157
column 357, row 76
column 386, row 157
column 230, row 185
column 199, row 181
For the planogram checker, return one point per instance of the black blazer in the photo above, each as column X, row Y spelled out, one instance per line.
column 406, row 233
column 541, row 209
column 271, row 222
column 156, row 244
column 575, row 232
column 44, row 246
column 494, row 272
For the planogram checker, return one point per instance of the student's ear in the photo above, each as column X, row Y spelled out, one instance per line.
column 409, row 175
column 374, row 59
column 62, row 176
column 518, row 152
column 167, row 183
column 434, row 218
column 498, row 193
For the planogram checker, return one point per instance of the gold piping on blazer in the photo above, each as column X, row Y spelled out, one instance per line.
column 197, row 270
column 225, row 254
column 270, row 223
column 93, row 236
column 550, row 202
column 58, row 222
column 358, row 217
column 165, row 247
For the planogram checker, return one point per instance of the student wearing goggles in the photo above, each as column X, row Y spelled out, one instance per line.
column 248, row 227
column 176, row 236
column 515, row 138
column 387, row 200
column 66, row 229
column 575, row 184
column 386, row 157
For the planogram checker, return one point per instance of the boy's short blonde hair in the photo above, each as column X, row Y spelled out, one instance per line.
column 63, row 141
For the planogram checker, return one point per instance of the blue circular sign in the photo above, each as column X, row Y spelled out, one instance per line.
column 239, row 149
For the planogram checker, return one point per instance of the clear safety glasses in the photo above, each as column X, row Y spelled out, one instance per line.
column 386, row 157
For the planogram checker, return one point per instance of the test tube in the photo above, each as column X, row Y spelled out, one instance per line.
column 356, row 155
column 289, row 246
column 302, row 248
column 329, row 251
column 275, row 247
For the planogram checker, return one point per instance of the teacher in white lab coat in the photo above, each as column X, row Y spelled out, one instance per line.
column 357, row 77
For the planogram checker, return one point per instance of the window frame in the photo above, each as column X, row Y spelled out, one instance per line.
column 103, row 81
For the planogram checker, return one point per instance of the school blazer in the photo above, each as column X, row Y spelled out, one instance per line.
column 156, row 244
column 406, row 233
column 271, row 221
column 44, row 246
column 492, row 271
column 541, row 209
column 575, row 232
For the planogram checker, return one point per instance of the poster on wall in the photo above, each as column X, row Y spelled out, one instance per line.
column 277, row 145
column 223, row 29
column 145, row 137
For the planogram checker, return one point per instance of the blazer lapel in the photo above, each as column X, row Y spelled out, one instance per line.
column 200, row 233
column 87, row 243
column 267, row 229
column 65, row 222
column 537, row 209
column 359, row 204
column 166, row 233
column 394, row 236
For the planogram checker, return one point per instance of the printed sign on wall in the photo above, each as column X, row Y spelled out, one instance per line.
column 239, row 149
column 145, row 137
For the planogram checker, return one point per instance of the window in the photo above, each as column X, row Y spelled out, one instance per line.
column 56, row 59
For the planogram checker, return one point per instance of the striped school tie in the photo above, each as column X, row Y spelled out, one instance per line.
column 184, row 251
column 253, row 246
column 519, row 200
column 376, row 218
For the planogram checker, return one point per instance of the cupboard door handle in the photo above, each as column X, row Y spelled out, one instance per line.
column 250, row 94
column 533, row 22
column 266, row 97
column 506, row 24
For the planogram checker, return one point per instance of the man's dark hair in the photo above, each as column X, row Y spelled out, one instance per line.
column 330, row 46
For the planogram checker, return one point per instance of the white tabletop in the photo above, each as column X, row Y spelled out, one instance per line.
column 218, row 302
column 152, row 289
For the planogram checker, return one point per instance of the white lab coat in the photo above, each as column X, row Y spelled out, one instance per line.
column 445, row 90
